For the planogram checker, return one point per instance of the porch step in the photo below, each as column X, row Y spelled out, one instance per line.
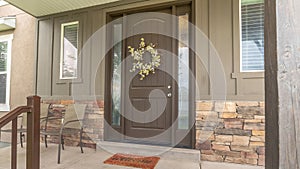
column 168, row 153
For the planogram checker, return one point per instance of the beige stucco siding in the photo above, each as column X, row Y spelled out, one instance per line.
column 23, row 55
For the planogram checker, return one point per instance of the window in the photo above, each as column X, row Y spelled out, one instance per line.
column 2, row 3
column 252, row 35
column 69, row 50
column 183, row 72
column 5, row 59
column 116, row 74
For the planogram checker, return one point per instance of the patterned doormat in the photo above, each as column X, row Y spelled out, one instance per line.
column 133, row 161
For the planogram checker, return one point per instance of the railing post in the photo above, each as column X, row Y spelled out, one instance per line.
column 33, row 133
column 14, row 143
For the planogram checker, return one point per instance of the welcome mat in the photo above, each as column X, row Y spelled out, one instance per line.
column 133, row 161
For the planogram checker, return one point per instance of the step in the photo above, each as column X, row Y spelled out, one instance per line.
column 167, row 153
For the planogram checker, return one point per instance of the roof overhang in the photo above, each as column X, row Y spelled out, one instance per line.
column 39, row 8
column 7, row 23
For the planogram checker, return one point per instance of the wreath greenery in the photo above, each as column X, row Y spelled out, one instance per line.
column 139, row 65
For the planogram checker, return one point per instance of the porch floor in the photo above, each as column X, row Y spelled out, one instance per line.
column 71, row 158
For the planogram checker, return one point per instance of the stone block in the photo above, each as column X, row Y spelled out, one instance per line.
column 242, row 148
column 223, row 138
column 207, row 152
column 251, row 155
column 247, row 103
column 214, row 158
column 213, row 124
column 204, row 106
column 253, row 120
column 225, row 107
column 229, row 153
column 254, row 126
column 258, row 138
column 99, row 112
column 261, row 160
column 261, row 104
column 203, row 135
column 67, row 102
column 257, row 144
column 207, row 115
column 204, row 145
column 251, row 111
column 228, row 115
column 220, row 147
column 258, row 133
column 233, row 123
column 261, row 151
column 233, row 132
column 241, row 160
column 240, row 140
column 260, row 117
column 221, row 143
column 100, row 103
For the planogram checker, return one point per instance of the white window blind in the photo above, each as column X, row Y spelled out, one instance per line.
column 252, row 41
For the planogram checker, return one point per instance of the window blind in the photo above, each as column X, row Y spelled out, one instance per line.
column 252, row 46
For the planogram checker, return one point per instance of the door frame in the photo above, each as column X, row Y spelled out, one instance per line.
column 110, row 16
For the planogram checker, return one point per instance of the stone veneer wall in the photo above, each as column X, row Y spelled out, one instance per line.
column 225, row 132
column 231, row 132
column 94, row 124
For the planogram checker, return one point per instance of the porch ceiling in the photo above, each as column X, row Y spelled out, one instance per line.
column 40, row 8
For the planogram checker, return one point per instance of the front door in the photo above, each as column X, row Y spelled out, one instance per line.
column 147, row 118
column 151, row 108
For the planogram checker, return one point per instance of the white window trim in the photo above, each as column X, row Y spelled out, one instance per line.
column 2, row 3
column 62, row 51
column 241, row 49
column 8, row 38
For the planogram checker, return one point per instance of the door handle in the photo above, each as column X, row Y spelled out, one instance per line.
column 169, row 94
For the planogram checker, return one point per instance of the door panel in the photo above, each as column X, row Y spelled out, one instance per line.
column 138, row 108
column 139, row 90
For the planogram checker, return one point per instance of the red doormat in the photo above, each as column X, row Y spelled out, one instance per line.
column 133, row 161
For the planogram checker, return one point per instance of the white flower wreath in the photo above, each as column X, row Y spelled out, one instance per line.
column 138, row 55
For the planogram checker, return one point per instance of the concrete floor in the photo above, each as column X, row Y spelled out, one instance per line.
column 92, row 159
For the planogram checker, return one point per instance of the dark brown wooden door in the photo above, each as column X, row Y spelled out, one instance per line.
column 148, row 119
column 160, row 108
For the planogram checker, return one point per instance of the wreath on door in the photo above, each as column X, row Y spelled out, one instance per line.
column 138, row 55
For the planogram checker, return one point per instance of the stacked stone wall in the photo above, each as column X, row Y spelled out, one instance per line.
column 231, row 132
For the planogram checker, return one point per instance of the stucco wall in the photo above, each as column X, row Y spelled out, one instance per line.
column 23, row 56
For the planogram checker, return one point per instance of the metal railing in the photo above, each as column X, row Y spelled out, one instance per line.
column 33, row 132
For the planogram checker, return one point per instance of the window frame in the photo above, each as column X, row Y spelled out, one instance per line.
column 240, row 45
column 62, row 50
column 2, row 3
column 9, row 39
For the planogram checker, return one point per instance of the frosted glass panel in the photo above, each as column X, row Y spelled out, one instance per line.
column 183, row 72
column 116, row 77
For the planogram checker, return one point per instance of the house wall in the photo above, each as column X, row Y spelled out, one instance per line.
column 219, row 21
column 23, row 55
